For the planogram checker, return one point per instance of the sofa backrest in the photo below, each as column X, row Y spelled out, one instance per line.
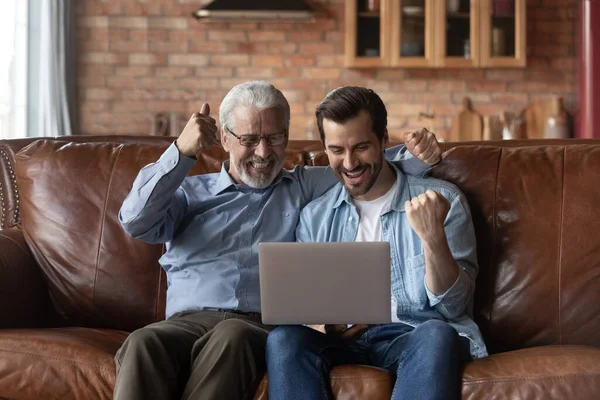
column 534, row 206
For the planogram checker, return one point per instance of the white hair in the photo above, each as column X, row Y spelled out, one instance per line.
column 260, row 95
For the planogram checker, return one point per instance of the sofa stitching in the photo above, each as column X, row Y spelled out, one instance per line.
column 57, row 359
column 492, row 253
column 531, row 378
column 560, row 244
column 102, row 218
column 13, row 179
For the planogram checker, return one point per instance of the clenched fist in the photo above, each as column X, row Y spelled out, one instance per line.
column 199, row 133
column 426, row 214
column 423, row 145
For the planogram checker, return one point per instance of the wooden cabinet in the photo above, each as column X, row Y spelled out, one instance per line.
column 435, row 33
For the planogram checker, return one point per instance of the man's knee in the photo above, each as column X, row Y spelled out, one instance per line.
column 288, row 341
column 233, row 333
column 437, row 332
column 140, row 342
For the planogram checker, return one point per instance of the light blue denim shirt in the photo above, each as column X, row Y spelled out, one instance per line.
column 212, row 226
column 333, row 218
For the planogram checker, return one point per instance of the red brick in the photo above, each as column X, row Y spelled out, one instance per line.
column 322, row 73
column 208, row 47
column 391, row 74
column 447, row 86
column 172, row 23
column 409, row 85
column 300, row 61
column 193, row 60
column 173, row 72
column 138, row 46
column 133, row 71
column 405, row 109
column 146, row 59
column 303, row 36
column 98, row 94
column 266, row 36
column 103, row 58
column 159, row 83
column 487, row 86
column 123, row 106
column 397, row 97
column 149, row 34
column 330, row 60
column 121, row 82
column 288, row 73
column 228, row 36
column 267, row 61
column 217, row 72
column 444, row 98
column 308, row 49
column 199, row 83
column 158, row 106
column 229, row 60
column 169, row 47
column 123, row 43
column 509, row 98
column 92, row 106
column 254, row 72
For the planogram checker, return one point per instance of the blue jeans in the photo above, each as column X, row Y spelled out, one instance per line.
column 426, row 361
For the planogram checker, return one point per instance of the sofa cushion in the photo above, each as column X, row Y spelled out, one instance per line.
column 548, row 372
column 65, row 363
column 350, row 382
column 71, row 195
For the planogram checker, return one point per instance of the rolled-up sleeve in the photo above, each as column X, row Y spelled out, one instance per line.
column 460, row 233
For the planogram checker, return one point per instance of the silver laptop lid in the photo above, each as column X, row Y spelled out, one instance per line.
column 325, row 283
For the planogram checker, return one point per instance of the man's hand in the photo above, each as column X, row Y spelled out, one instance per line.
column 426, row 214
column 199, row 133
column 423, row 145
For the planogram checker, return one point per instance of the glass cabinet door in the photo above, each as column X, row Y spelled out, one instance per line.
column 412, row 41
column 503, row 39
column 457, row 40
column 365, row 33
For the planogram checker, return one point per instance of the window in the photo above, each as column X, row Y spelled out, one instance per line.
column 13, row 69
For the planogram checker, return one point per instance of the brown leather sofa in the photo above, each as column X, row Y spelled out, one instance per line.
column 73, row 284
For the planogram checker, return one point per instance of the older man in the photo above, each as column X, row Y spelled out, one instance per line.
column 212, row 344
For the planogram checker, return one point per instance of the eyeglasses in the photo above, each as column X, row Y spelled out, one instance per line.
column 275, row 139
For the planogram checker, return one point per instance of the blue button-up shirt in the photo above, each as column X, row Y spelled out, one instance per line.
column 333, row 218
column 212, row 226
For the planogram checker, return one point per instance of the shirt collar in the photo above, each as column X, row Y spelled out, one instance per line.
column 224, row 180
column 400, row 197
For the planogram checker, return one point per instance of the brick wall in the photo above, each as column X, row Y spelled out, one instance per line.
column 140, row 57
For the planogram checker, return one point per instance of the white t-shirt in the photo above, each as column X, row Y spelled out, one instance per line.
column 369, row 226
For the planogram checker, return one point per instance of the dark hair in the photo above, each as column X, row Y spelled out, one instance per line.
column 345, row 103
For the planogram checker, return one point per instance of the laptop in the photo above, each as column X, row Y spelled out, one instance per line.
column 325, row 283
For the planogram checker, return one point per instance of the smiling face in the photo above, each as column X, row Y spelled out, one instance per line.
column 257, row 166
column 355, row 155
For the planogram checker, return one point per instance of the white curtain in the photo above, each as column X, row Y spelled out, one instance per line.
column 13, row 69
column 57, row 75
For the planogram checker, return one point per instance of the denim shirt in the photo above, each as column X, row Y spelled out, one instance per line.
column 212, row 226
column 333, row 218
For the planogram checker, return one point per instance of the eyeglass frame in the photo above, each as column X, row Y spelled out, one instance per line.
column 260, row 138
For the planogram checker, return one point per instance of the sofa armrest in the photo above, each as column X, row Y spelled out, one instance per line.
column 24, row 298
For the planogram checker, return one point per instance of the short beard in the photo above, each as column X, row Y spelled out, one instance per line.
column 260, row 181
column 354, row 191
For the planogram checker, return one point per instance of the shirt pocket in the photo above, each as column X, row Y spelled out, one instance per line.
column 415, row 285
column 204, row 235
